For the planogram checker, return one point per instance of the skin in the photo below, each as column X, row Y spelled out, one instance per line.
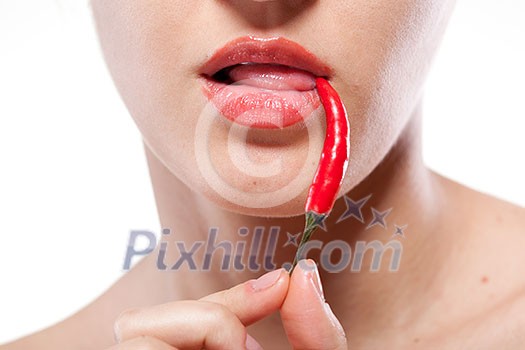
column 457, row 286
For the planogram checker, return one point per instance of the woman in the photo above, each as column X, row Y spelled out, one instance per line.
column 447, row 281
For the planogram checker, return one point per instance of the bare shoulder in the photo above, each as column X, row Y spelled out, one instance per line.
column 484, row 212
column 492, row 235
column 490, row 278
column 501, row 327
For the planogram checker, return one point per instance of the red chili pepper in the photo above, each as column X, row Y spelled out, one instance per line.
column 332, row 165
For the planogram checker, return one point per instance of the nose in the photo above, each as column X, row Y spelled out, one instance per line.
column 268, row 13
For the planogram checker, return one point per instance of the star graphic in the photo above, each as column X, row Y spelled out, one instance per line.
column 400, row 231
column 319, row 221
column 354, row 209
column 379, row 218
column 292, row 239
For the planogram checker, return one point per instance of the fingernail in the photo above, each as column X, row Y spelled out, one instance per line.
column 267, row 280
column 310, row 268
column 251, row 344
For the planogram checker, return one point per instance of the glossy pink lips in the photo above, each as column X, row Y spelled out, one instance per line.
column 263, row 82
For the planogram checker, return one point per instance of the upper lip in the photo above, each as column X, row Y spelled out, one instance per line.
column 274, row 50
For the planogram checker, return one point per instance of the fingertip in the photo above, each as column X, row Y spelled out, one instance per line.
column 308, row 320
column 273, row 285
column 310, row 275
column 268, row 280
column 254, row 299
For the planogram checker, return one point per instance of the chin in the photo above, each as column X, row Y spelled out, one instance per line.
column 258, row 208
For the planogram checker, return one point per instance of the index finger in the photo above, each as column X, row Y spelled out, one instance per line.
column 254, row 299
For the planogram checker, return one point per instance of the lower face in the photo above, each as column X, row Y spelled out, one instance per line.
column 260, row 161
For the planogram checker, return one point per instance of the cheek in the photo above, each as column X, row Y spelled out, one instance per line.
column 145, row 45
column 384, row 51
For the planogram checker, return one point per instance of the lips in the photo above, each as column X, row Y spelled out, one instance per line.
column 263, row 82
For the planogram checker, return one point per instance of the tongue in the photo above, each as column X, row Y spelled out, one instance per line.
column 272, row 77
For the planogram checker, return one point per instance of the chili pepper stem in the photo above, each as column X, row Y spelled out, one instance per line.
column 312, row 222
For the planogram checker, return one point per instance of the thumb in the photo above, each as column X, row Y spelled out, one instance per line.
column 307, row 319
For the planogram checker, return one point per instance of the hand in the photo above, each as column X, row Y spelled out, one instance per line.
column 219, row 320
column 307, row 319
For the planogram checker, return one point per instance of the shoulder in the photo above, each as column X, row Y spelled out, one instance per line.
column 502, row 326
column 483, row 212
column 489, row 283
column 492, row 236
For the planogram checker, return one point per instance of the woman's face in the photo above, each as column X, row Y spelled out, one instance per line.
column 377, row 52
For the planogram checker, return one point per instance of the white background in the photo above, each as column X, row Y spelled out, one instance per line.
column 73, row 179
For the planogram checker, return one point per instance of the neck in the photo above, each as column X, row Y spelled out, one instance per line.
column 398, row 184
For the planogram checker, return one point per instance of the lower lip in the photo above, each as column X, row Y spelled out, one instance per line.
column 260, row 108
